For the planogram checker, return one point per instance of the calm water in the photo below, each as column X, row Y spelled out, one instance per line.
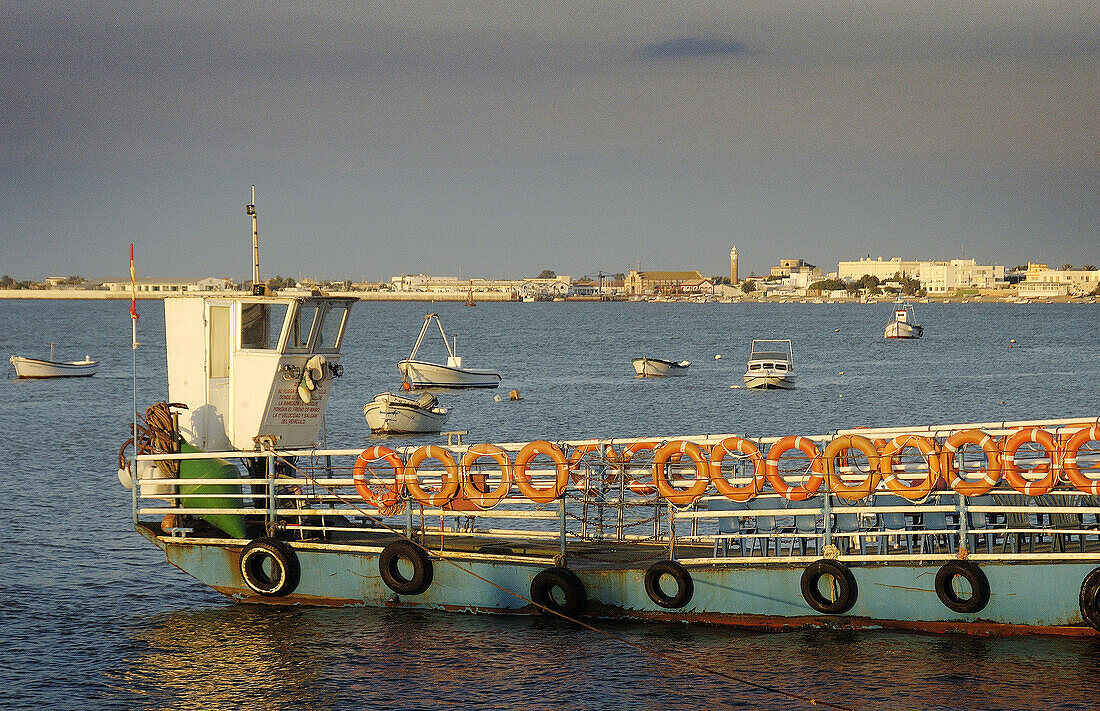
column 93, row 617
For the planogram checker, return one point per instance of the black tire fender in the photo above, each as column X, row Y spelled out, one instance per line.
column 1090, row 599
column 972, row 574
column 844, row 585
column 281, row 573
column 575, row 600
column 416, row 557
column 685, row 588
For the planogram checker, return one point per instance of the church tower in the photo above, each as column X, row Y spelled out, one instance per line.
column 733, row 265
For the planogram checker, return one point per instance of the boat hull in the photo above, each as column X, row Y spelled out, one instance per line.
column 420, row 374
column 657, row 368
column 769, row 381
column 1026, row 598
column 35, row 368
column 897, row 329
column 399, row 418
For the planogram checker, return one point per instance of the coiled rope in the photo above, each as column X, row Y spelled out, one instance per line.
column 156, row 434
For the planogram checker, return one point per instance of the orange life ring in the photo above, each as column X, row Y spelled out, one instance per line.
column 449, row 481
column 917, row 490
column 384, row 496
column 1069, row 463
column 799, row 492
column 580, row 451
column 641, row 488
column 745, row 492
column 681, row 497
column 990, row 476
column 838, row 447
column 1012, row 471
column 470, row 488
column 523, row 481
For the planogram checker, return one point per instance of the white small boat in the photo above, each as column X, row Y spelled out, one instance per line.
column 397, row 414
column 903, row 325
column 422, row 374
column 39, row 368
column 771, row 365
column 658, row 367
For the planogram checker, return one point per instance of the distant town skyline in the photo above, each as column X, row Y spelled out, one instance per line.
column 474, row 138
column 846, row 269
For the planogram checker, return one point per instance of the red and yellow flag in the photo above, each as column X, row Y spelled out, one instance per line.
column 133, row 286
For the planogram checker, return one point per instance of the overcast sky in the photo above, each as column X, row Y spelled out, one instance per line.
column 499, row 139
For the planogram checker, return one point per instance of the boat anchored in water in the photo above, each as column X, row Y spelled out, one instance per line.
column 982, row 528
column 771, row 365
column 903, row 325
column 422, row 374
column 40, row 368
column 646, row 367
column 396, row 414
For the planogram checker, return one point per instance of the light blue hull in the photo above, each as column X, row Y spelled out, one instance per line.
column 1024, row 597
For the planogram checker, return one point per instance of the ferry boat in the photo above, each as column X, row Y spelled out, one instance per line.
column 983, row 528
column 986, row 528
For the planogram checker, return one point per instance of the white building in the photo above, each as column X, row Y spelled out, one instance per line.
column 450, row 284
column 946, row 277
column 145, row 285
column 558, row 286
column 880, row 268
column 1039, row 282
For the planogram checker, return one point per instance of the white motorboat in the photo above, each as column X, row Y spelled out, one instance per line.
column 422, row 374
column 903, row 325
column 39, row 368
column 771, row 365
column 397, row 414
column 658, row 367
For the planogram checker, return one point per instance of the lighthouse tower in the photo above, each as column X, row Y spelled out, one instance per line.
column 733, row 265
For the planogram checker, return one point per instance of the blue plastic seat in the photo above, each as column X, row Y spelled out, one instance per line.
column 892, row 523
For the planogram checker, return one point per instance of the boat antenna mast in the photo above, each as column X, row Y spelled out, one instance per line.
column 250, row 209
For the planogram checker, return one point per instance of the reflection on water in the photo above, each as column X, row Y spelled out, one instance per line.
column 279, row 658
column 223, row 658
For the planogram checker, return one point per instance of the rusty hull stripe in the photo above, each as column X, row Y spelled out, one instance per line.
column 771, row 623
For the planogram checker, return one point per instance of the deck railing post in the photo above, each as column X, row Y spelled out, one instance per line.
column 271, row 503
column 964, row 528
column 671, row 531
column 408, row 516
column 827, row 518
column 135, row 480
column 561, row 519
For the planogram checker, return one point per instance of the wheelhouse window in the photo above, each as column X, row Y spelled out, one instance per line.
column 331, row 327
column 262, row 325
column 301, row 325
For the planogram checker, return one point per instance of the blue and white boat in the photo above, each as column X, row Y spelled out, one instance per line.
column 989, row 528
column 984, row 528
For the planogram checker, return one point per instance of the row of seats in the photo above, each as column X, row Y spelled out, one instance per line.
column 909, row 529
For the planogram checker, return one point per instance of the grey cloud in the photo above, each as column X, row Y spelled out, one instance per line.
column 694, row 47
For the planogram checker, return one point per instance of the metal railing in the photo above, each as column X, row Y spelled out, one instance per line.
column 609, row 498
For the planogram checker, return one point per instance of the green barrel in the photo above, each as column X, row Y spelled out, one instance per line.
column 231, row 524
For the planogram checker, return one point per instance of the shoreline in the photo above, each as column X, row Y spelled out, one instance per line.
column 494, row 297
